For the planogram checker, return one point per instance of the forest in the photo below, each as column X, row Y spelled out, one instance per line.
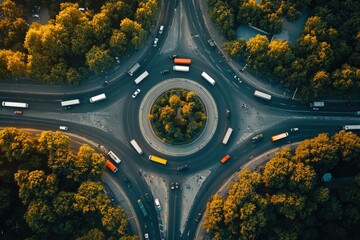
column 74, row 43
column 326, row 58
column 287, row 198
column 48, row 191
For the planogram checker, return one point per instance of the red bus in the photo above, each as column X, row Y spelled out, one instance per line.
column 111, row 166
column 182, row 61
column 224, row 159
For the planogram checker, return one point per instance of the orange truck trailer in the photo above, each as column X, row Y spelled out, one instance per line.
column 182, row 61
column 111, row 166
column 224, row 159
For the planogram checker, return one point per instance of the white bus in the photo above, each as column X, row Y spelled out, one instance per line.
column 262, row 95
column 136, row 146
column 70, row 102
column 97, row 98
column 208, row 78
column 181, row 68
column 114, row 157
column 141, row 77
column 227, row 135
column 352, row 127
column 133, row 69
column 15, row 104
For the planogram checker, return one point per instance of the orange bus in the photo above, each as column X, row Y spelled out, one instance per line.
column 182, row 61
column 111, row 166
column 224, row 159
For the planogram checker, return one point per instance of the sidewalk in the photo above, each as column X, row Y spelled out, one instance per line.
column 261, row 84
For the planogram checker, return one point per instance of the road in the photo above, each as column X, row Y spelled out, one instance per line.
column 114, row 122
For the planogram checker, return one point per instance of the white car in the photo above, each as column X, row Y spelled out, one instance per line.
column 136, row 93
column 157, row 204
column 146, row 236
column 161, row 30
column 294, row 129
column 155, row 42
column 63, row 128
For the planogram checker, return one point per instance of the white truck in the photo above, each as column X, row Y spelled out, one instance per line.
column 317, row 104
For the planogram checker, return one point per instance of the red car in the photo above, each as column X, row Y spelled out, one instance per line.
column 18, row 112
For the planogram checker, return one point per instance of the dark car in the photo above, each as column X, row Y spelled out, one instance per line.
column 183, row 168
column 164, row 71
column 67, row 107
column 232, row 74
column 198, row 218
column 257, row 138
column 172, row 186
column 147, row 197
column 127, row 182
column 173, row 56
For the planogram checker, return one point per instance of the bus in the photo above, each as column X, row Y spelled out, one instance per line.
column 141, row 77
column 15, row 104
column 208, row 78
column 262, row 95
column 111, row 166
column 181, row 68
column 142, row 208
column 114, row 157
column 157, row 159
column 70, row 102
column 227, row 135
column 133, row 69
column 351, row 127
column 279, row 136
column 136, row 146
column 97, row 98
column 225, row 158
column 182, row 61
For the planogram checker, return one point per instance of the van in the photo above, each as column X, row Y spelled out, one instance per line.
column 63, row 128
column 157, row 204
column 161, row 30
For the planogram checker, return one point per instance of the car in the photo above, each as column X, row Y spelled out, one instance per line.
column 146, row 236
column 227, row 113
column 161, row 29
column 37, row 16
column 172, row 186
column 147, row 197
column 127, row 182
column 315, row 109
column 183, row 168
column 18, row 112
column 173, row 56
column 198, row 218
column 177, row 185
column 294, row 129
column 155, row 42
column 357, row 113
column 67, row 107
column 137, row 91
column 236, row 77
column 257, row 138
column 157, row 204
column 211, row 43
column 164, row 71
column 231, row 72
column 63, row 128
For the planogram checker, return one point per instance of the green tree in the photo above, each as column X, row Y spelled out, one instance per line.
column 40, row 217
column 257, row 49
column 236, row 49
column 214, row 214
column 90, row 197
column 93, row 234
column 135, row 34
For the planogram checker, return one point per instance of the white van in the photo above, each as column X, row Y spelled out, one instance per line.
column 157, row 204
column 63, row 128
column 161, row 30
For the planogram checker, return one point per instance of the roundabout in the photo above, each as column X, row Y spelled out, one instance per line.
column 185, row 149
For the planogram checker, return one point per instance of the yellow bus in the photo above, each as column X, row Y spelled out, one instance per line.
column 157, row 159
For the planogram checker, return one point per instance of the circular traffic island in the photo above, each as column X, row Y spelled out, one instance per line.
column 178, row 116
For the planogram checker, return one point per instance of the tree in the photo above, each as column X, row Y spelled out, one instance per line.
column 174, row 101
column 40, row 217
column 90, row 197
column 257, row 49
column 236, row 49
column 99, row 59
column 145, row 13
column 118, row 42
column 347, row 145
column 135, row 34
column 93, row 234
column 114, row 219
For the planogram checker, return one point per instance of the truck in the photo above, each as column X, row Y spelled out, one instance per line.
column 111, row 166
column 133, row 69
column 181, row 68
column 227, row 135
column 70, row 102
column 136, row 146
column 182, row 61
column 317, row 104
column 141, row 77
column 142, row 208
column 98, row 98
column 352, row 127
column 15, row 104
column 279, row 136
column 262, row 95
column 114, row 157
column 208, row 78
column 225, row 158
column 157, row 159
